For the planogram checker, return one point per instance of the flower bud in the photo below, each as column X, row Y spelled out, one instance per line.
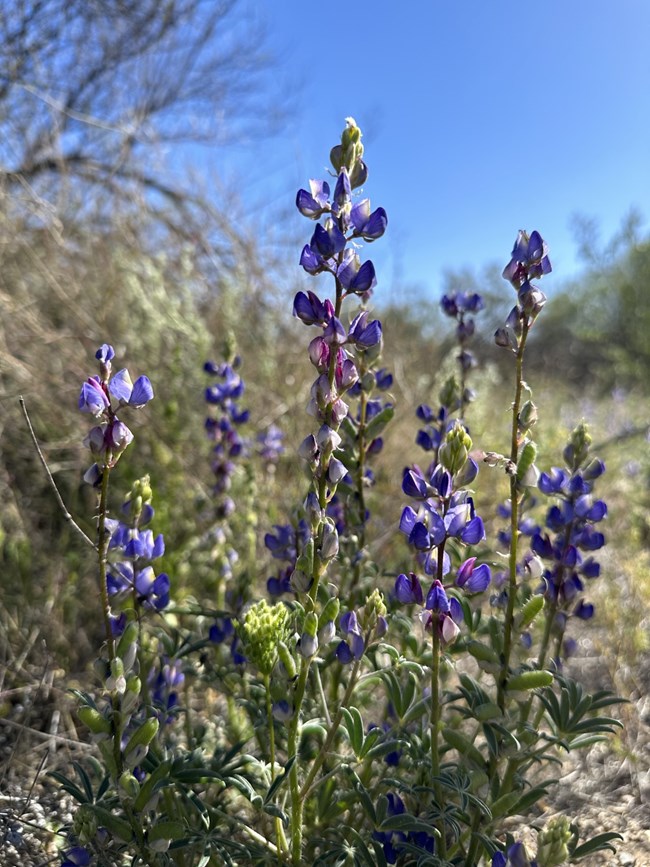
column 94, row 720
column 330, row 542
column 287, row 660
column 116, row 681
column 129, row 785
column 308, row 449
column 527, row 473
column 552, row 843
column 455, row 448
column 330, row 612
column 527, row 416
column 300, row 582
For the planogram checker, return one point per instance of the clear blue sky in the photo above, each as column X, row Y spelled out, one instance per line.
column 479, row 118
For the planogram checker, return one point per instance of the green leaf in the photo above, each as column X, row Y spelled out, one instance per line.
column 369, row 741
column 597, row 844
column 277, row 812
column 364, row 797
column 166, row 830
column 279, row 780
column 405, row 822
column 378, row 422
column 85, row 781
column 68, row 786
column 354, row 726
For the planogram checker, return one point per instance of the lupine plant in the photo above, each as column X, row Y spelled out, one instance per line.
column 345, row 710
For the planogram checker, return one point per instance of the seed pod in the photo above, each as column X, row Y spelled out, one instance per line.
column 530, row 610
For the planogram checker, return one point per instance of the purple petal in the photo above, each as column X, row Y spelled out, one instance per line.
column 479, row 580
column 121, row 386
column 142, row 392
column 437, row 598
column 473, row 532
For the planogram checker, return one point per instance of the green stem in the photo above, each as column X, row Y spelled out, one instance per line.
column 102, row 555
column 280, row 839
column 435, row 726
column 294, row 784
column 514, row 524
column 336, row 722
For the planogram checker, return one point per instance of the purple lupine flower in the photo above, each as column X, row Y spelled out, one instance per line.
column 529, row 260
column 78, row 856
column 383, row 379
column 354, row 645
column 221, row 630
column 364, row 334
column 367, row 225
column 269, row 444
column 135, row 394
column 437, row 598
column 311, row 310
column 408, row 589
column 105, row 353
column 315, row 203
column 474, row 580
column 355, row 277
column 93, row 397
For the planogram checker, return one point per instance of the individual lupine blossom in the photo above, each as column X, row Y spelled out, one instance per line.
column 361, row 628
column 133, row 577
column 164, row 679
column 444, row 514
column 78, row 856
column 223, row 631
column 529, row 261
column 571, row 536
column 438, row 422
column 286, row 543
column 462, row 306
column 395, row 842
column 104, row 396
column 270, row 444
column 223, row 429
column 530, row 566
column 515, row 856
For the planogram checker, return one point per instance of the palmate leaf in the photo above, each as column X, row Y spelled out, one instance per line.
column 570, row 712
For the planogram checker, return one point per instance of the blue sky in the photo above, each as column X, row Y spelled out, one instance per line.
column 479, row 118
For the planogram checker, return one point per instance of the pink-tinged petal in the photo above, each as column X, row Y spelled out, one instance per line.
column 449, row 631
column 92, row 397
column 465, row 571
